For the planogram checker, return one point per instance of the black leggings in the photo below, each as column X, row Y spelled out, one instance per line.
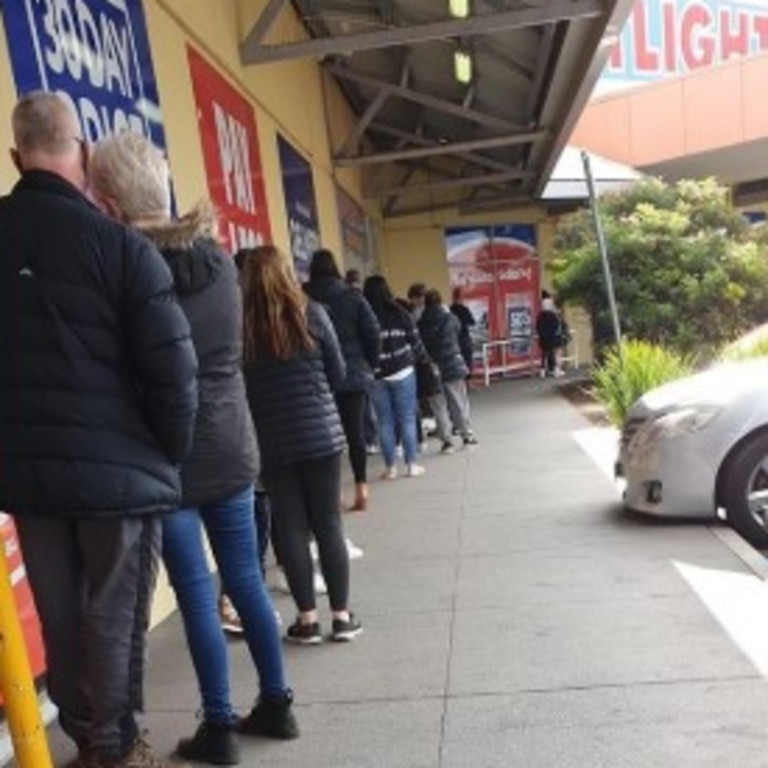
column 351, row 407
column 305, row 502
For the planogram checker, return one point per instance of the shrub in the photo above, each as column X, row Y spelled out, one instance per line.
column 618, row 382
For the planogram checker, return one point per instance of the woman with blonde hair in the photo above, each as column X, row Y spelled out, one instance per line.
column 129, row 178
column 293, row 365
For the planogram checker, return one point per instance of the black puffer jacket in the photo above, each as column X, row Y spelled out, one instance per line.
column 292, row 400
column 440, row 330
column 224, row 456
column 97, row 369
column 356, row 328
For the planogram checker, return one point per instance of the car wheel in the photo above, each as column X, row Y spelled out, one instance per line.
column 745, row 490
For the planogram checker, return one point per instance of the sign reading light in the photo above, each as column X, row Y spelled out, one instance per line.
column 459, row 8
column 462, row 66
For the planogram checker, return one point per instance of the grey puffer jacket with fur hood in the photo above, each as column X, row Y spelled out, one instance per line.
column 224, row 457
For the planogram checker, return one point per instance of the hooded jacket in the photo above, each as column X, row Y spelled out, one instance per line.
column 440, row 329
column 356, row 327
column 224, row 455
column 97, row 368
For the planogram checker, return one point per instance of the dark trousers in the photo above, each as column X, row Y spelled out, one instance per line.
column 93, row 581
column 305, row 503
column 351, row 407
column 549, row 359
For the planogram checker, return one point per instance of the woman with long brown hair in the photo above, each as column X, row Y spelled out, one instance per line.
column 293, row 365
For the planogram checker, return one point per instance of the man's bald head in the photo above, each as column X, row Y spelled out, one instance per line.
column 47, row 136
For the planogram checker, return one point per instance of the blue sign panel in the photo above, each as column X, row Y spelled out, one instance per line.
column 95, row 53
column 300, row 206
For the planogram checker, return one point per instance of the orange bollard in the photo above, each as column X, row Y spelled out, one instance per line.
column 30, row 742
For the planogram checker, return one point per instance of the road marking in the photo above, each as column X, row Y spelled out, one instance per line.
column 739, row 603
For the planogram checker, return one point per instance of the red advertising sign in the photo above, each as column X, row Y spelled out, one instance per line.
column 232, row 161
column 25, row 604
column 498, row 272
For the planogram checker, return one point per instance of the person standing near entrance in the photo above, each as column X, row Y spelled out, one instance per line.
column 549, row 331
column 98, row 397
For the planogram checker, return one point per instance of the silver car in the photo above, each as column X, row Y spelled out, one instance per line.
column 699, row 445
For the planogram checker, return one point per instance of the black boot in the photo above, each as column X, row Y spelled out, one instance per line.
column 212, row 743
column 272, row 718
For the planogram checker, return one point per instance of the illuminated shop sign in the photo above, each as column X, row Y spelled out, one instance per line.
column 93, row 52
column 664, row 38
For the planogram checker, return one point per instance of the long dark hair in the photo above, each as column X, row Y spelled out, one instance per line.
column 274, row 306
column 323, row 264
column 379, row 295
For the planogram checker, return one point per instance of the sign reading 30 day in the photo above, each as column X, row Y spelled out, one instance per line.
column 94, row 53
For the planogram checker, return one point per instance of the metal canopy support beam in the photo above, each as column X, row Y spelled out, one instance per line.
column 452, row 183
column 555, row 10
column 263, row 24
column 413, row 138
column 433, row 102
column 353, row 140
column 526, row 137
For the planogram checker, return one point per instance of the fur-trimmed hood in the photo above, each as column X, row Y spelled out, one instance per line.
column 190, row 247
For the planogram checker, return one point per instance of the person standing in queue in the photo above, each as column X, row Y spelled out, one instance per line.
column 358, row 332
column 98, row 397
column 293, row 366
column 130, row 179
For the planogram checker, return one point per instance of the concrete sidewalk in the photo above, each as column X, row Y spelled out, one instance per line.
column 514, row 617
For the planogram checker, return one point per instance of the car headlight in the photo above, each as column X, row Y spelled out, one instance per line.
column 684, row 421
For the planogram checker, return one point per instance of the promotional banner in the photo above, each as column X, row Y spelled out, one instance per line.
column 664, row 38
column 498, row 272
column 230, row 143
column 354, row 234
column 95, row 53
column 300, row 205
column 25, row 604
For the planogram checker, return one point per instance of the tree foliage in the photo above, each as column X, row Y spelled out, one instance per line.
column 688, row 271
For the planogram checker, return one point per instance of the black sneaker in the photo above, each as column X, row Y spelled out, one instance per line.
column 344, row 631
column 304, row 634
column 447, row 448
column 272, row 718
column 212, row 743
column 470, row 440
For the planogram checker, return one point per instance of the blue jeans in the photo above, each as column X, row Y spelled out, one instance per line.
column 396, row 404
column 231, row 531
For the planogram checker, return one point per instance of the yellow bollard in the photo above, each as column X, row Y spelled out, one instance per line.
column 17, row 685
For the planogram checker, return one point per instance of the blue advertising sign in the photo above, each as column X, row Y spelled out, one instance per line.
column 94, row 53
column 300, row 205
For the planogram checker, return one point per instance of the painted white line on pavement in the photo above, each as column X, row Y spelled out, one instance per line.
column 739, row 602
column 601, row 444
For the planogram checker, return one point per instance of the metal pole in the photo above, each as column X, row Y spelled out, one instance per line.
column 17, row 685
column 603, row 249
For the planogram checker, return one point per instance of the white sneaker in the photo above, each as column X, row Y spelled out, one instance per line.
column 372, row 450
column 415, row 470
column 390, row 473
column 313, row 551
column 354, row 552
column 321, row 588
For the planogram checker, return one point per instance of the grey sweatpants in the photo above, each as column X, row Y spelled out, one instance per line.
column 451, row 407
column 93, row 580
